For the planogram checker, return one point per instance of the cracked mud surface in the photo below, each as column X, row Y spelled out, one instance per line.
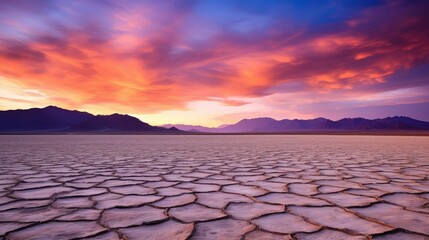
column 214, row 187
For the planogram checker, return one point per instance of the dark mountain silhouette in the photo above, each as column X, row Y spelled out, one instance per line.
column 115, row 122
column 54, row 119
column 389, row 123
column 40, row 119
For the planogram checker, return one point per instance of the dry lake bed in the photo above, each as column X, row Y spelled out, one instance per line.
column 214, row 187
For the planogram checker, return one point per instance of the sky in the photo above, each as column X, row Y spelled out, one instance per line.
column 209, row 62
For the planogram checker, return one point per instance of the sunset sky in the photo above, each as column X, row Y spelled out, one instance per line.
column 211, row 62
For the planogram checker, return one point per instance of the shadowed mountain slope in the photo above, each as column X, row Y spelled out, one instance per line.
column 54, row 119
column 115, row 122
column 40, row 119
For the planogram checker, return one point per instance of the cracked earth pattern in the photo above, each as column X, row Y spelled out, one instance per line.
column 214, row 187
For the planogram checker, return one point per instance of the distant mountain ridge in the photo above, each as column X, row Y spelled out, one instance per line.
column 190, row 128
column 55, row 119
column 318, row 124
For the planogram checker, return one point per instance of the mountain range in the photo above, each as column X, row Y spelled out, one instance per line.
column 55, row 119
column 318, row 124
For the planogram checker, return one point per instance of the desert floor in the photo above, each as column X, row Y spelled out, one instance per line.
column 214, row 187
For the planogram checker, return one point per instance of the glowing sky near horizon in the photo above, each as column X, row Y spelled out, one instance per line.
column 213, row 62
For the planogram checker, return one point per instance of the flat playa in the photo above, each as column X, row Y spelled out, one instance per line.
column 214, row 187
